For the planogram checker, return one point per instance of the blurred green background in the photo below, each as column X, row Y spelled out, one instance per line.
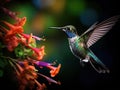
column 42, row 14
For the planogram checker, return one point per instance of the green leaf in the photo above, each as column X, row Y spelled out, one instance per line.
column 19, row 51
column 33, row 44
column 28, row 52
column 22, row 51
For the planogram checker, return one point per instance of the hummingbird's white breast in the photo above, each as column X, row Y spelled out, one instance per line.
column 72, row 40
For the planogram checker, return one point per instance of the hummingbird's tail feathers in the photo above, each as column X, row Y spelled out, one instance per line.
column 97, row 64
column 99, row 67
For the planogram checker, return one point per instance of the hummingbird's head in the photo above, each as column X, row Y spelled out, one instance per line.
column 70, row 30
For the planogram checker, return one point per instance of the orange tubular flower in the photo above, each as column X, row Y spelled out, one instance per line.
column 55, row 70
column 23, row 47
column 21, row 22
column 28, row 36
column 27, row 77
column 11, row 43
column 16, row 28
column 38, row 52
column 13, row 30
column 10, row 39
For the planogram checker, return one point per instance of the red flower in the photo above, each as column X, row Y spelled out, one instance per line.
column 27, row 75
column 10, row 39
column 13, row 30
column 38, row 52
column 53, row 70
column 11, row 43
column 28, row 36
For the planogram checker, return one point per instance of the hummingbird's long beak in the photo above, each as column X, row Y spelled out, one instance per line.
column 59, row 28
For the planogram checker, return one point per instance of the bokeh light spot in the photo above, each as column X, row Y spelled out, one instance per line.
column 57, row 6
column 75, row 6
column 88, row 17
column 41, row 22
column 40, row 4
column 38, row 23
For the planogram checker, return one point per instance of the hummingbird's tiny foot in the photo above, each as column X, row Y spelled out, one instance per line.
column 85, row 60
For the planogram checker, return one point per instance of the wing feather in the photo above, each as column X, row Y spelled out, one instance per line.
column 101, row 29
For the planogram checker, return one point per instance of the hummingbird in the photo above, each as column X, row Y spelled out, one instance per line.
column 80, row 44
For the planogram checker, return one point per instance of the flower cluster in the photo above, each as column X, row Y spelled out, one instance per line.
column 26, row 55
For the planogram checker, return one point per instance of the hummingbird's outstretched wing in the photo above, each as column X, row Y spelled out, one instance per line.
column 95, row 32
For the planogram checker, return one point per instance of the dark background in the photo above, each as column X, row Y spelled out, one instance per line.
column 72, row 75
